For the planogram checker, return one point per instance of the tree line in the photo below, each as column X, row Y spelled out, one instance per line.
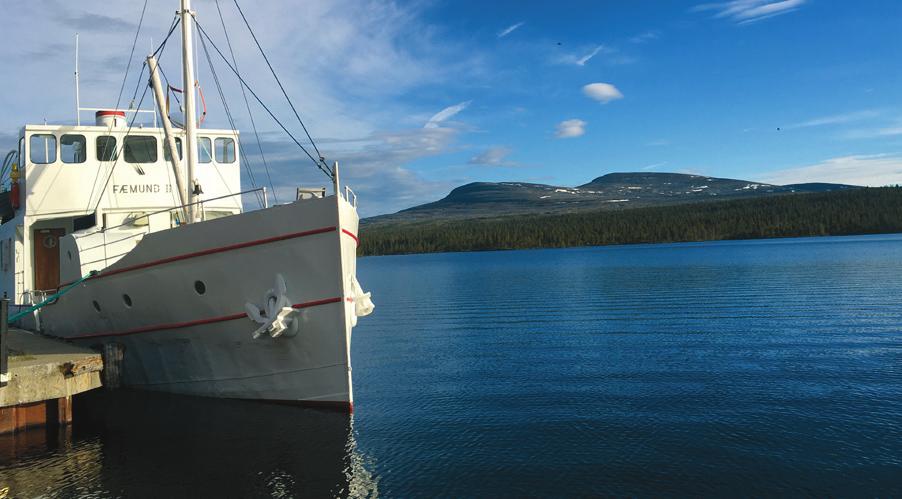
column 858, row 211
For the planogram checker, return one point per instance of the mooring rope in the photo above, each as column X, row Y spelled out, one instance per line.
column 51, row 298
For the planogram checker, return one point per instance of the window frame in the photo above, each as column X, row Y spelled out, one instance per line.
column 234, row 151
column 216, row 150
column 178, row 147
column 84, row 147
column 31, row 149
column 200, row 158
column 155, row 149
column 115, row 152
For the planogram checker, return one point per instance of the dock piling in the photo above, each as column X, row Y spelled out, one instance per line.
column 112, row 365
column 43, row 375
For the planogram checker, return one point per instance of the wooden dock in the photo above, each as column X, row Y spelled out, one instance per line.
column 42, row 376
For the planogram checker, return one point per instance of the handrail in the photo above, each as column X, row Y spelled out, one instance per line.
column 348, row 193
column 146, row 215
column 135, row 111
column 51, row 298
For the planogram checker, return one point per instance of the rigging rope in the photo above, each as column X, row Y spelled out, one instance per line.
column 158, row 51
column 121, row 151
column 11, row 157
column 131, row 54
column 128, row 66
column 106, row 145
column 318, row 164
column 248, row 106
column 273, row 71
column 228, row 113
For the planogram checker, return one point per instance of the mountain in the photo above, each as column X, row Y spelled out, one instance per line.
column 876, row 210
column 614, row 191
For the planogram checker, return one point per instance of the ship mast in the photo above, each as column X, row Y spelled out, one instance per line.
column 190, row 111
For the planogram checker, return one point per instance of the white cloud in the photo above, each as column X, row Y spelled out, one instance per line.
column 747, row 11
column 378, row 172
column 602, row 92
column 584, row 59
column 445, row 114
column 377, row 166
column 654, row 166
column 870, row 170
column 493, row 156
column 581, row 60
column 570, row 128
column 508, row 30
column 645, row 37
column 836, row 119
column 891, row 130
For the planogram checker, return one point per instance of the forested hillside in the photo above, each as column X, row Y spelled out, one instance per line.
column 858, row 211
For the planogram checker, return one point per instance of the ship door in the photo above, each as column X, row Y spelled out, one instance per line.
column 47, row 258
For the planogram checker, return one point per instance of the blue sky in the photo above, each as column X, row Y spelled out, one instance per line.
column 415, row 98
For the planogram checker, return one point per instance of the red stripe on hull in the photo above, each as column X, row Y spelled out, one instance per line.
column 211, row 320
column 210, row 251
column 356, row 240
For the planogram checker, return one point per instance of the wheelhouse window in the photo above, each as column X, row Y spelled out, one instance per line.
column 106, row 148
column 42, row 148
column 178, row 147
column 140, row 149
column 204, row 150
column 225, row 150
column 73, row 149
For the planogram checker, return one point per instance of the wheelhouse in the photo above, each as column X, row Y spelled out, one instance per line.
column 74, row 187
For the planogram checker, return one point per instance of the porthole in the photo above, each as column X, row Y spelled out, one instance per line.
column 200, row 287
column 127, row 300
column 96, row 305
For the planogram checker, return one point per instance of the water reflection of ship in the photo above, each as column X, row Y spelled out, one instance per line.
column 160, row 445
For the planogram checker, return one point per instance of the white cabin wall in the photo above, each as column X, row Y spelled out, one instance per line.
column 13, row 271
column 76, row 187
column 10, row 248
column 218, row 180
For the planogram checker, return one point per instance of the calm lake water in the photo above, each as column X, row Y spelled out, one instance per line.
column 745, row 368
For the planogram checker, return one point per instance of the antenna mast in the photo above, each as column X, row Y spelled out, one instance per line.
column 77, row 96
column 190, row 111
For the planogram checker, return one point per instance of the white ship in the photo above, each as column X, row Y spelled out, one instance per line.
column 126, row 242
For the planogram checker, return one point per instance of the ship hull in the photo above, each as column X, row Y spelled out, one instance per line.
column 176, row 306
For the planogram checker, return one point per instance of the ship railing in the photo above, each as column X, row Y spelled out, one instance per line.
column 131, row 221
column 135, row 111
column 351, row 196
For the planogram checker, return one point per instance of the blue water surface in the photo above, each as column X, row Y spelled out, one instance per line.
column 706, row 369
column 743, row 367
